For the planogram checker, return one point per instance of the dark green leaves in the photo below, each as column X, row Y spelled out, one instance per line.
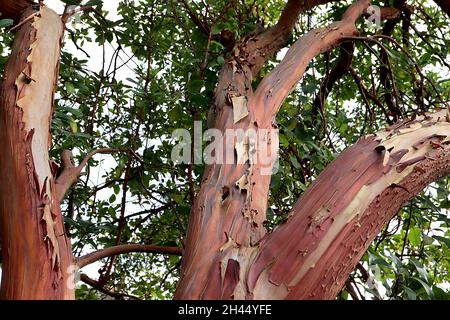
column 6, row 23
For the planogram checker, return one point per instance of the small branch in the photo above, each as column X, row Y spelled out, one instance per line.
column 13, row 9
column 21, row 23
column 70, row 172
column 274, row 88
column 94, row 152
column 366, row 93
column 66, row 16
column 342, row 64
column 204, row 28
column 126, row 248
column 351, row 290
column 97, row 286
column 74, row 41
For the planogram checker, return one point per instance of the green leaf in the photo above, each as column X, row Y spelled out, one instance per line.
column 70, row 87
column 112, row 198
column 419, row 268
column 426, row 287
column 94, row 3
column 220, row 60
column 6, row 23
column 73, row 126
column 194, row 86
column 410, row 293
column 414, row 236
column 216, row 28
column 444, row 240
column 440, row 294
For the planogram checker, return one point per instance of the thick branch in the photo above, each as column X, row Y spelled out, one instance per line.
column 389, row 13
column 36, row 252
column 275, row 87
column 126, row 248
column 333, row 223
column 265, row 45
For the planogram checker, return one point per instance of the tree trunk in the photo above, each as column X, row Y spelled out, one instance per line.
column 229, row 256
column 36, row 253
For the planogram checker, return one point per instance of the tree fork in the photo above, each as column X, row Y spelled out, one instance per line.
column 227, row 255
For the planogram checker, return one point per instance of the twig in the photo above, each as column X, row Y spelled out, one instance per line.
column 21, row 23
column 96, row 285
column 71, row 13
column 125, row 248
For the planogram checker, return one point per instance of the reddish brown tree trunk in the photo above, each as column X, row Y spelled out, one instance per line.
column 36, row 253
column 229, row 256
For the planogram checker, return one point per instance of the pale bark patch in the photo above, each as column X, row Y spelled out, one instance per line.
column 35, row 87
column 240, row 109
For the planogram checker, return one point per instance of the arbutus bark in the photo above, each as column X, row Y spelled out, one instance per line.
column 228, row 253
column 36, row 253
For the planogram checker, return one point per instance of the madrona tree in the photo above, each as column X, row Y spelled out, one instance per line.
column 374, row 99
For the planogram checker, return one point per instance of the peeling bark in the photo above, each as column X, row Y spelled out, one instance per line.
column 239, row 218
column 36, row 253
column 228, row 254
column 333, row 223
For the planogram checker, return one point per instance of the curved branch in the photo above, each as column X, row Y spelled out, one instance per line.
column 334, row 222
column 291, row 11
column 94, row 152
column 126, row 248
column 267, row 43
column 366, row 93
column 275, row 87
